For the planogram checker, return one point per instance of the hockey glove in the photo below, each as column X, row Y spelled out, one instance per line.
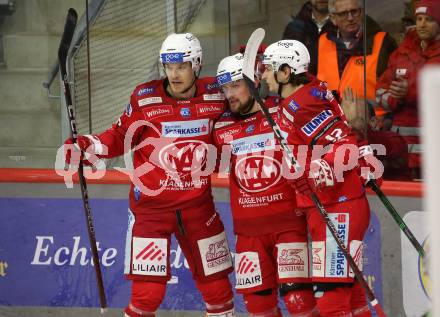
column 83, row 144
column 365, row 168
column 318, row 175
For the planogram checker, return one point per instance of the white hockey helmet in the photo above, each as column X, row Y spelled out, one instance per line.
column 180, row 48
column 230, row 69
column 290, row 52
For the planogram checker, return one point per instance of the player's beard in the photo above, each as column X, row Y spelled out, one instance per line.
column 245, row 107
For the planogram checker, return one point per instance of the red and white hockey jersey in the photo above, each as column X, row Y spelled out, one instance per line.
column 316, row 120
column 170, row 140
column 262, row 201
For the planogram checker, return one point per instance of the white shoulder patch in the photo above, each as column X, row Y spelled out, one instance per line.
column 273, row 109
column 217, row 96
column 288, row 115
column 222, row 124
column 148, row 101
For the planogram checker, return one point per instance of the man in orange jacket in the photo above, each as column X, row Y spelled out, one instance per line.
column 340, row 56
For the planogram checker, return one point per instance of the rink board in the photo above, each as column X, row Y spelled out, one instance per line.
column 45, row 261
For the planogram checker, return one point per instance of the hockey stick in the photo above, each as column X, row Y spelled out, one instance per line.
column 248, row 74
column 393, row 212
column 63, row 50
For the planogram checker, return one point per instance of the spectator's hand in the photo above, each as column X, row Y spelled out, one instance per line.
column 348, row 104
column 354, row 110
column 82, row 144
column 399, row 88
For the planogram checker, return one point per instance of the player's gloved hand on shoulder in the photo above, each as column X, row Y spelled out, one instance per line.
column 82, row 144
column 317, row 175
column 366, row 155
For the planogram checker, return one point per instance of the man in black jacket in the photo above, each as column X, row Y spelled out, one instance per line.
column 310, row 22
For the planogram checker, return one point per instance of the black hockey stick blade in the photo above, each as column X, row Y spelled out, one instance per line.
column 66, row 39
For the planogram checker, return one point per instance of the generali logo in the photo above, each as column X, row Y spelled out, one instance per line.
column 218, row 253
column 291, row 257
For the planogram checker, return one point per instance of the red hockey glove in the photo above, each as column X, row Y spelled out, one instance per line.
column 365, row 168
column 82, row 144
column 316, row 177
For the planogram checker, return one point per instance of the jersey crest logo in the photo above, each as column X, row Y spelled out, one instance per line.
column 185, row 112
column 257, row 173
column 182, row 158
column 250, row 129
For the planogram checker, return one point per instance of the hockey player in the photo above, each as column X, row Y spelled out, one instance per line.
column 271, row 246
column 316, row 120
column 175, row 115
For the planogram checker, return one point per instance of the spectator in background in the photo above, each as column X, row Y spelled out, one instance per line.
column 397, row 88
column 311, row 21
column 340, row 54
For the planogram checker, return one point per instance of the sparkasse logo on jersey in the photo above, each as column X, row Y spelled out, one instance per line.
column 185, row 128
column 310, row 127
column 254, row 143
column 335, row 256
